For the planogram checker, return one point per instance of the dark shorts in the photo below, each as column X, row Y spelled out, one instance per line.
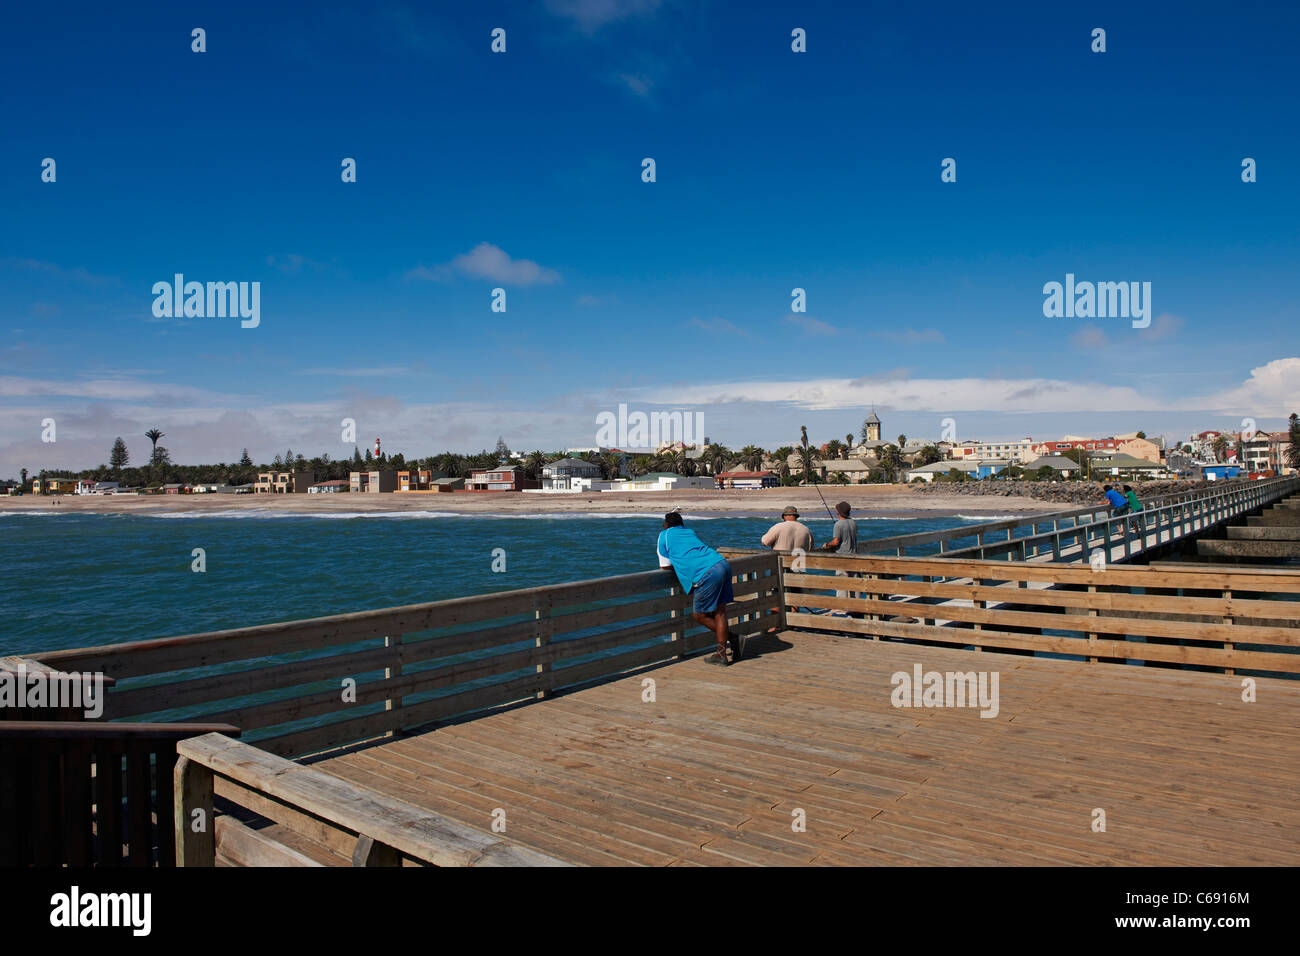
column 714, row 588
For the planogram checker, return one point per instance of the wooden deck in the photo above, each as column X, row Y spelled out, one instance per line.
column 711, row 772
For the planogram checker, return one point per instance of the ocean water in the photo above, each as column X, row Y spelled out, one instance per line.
column 82, row 580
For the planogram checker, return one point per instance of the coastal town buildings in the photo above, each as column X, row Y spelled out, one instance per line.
column 334, row 486
column 929, row 472
column 1065, row 467
column 372, row 482
column 746, row 480
column 560, row 475
column 500, row 478
column 283, row 482
column 415, row 480
column 663, row 481
column 855, row 470
column 1018, row 451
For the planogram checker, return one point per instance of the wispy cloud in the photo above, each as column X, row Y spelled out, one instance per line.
column 1089, row 337
column 909, row 336
column 588, row 16
column 111, row 389
column 491, row 263
column 718, row 325
column 357, row 372
column 638, row 83
column 77, row 274
column 812, row 326
column 1165, row 326
column 292, row 263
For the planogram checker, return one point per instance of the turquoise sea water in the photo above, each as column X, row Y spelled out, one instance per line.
column 82, row 580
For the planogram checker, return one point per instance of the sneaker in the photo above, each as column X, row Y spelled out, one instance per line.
column 716, row 658
column 737, row 645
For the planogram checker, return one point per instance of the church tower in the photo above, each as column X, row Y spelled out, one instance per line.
column 873, row 427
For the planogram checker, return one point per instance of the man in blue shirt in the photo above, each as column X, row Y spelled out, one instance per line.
column 1118, row 503
column 706, row 574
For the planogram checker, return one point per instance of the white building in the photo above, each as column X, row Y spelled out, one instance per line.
column 664, row 481
column 927, row 472
column 560, row 475
column 1019, row 452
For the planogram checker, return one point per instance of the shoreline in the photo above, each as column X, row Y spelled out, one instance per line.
column 867, row 501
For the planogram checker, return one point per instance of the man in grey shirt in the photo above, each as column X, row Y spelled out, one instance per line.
column 844, row 540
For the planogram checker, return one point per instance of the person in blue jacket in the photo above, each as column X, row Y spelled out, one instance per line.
column 704, row 573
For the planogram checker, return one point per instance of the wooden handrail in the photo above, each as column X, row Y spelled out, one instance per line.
column 414, row 665
column 385, row 829
column 91, row 730
column 1269, row 488
column 1059, row 608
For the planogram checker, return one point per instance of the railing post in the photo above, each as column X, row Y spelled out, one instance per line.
column 1228, row 619
column 780, row 591
column 679, row 636
column 543, row 627
column 196, row 832
column 394, row 643
column 369, row 852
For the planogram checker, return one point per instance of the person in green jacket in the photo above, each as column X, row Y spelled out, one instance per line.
column 1134, row 507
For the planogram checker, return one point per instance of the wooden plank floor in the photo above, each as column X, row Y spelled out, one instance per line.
column 711, row 772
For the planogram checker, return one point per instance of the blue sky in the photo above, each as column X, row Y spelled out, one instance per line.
column 522, row 170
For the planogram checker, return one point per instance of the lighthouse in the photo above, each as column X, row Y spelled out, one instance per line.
column 376, row 448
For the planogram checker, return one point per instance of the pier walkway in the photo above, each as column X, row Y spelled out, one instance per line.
column 717, row 768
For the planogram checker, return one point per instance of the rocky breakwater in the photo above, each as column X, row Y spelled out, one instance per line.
column 1070, row 494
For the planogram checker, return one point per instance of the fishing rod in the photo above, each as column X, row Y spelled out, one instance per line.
column 824, row 504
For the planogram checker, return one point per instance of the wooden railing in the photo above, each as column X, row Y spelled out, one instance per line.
column 27, row 671
column 1221, row 618
column 83, row 793
column 1059, row 534
column 328, row 813
column 305, row 686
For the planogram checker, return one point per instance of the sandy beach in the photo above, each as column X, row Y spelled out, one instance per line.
column 897, row 501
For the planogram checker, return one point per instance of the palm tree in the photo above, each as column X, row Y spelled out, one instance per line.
column 751, row 456
column 640, row 465
column 902, row 442
column 890, row 461
column 610, row 465
column 848, row 444
column 1220, row 448
column 153, row 435
column 716, row 456
column 534, row 464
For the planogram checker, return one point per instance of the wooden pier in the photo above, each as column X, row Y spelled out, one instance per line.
column 1142, row 715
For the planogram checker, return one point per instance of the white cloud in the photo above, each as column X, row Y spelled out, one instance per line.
column 204, row 427
column 489, row 262
column 1272, row 389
